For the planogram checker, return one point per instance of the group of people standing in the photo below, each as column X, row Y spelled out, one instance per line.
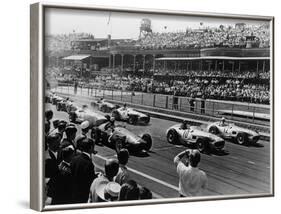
column 71, row 175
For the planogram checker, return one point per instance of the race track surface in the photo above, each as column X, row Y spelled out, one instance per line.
column 241, row 170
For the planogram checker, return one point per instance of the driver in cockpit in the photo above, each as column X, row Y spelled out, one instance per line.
column 222, row 122
column 184, row 125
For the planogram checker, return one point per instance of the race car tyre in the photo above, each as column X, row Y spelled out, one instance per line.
column 58, row 107
column 96, row 135
column 172, row 136
column 202, row 145
column 241, row 138
column 72, row 117
column 116, row 115
column 132, row 119
column 214, row 130
column 103, row 109
column 148, row 141
column 118, row 145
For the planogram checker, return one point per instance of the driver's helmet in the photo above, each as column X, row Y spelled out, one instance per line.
column 125, row 105
column 112, row 119
column 184, row 124
column 223, row 120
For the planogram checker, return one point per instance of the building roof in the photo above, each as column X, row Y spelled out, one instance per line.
column 76, row 57
column 211, row 57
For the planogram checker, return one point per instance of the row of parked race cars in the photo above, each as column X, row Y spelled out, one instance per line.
column 104, row 131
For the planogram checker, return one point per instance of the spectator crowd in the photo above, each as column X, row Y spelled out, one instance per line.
column 70, row 172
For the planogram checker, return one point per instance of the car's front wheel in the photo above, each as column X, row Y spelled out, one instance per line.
column 148, row 142
column 72, row 117
column 116, row 115
column 203, row 145
column 118, row 145
column 214, row 130
column 241, row 138
column 172, row 136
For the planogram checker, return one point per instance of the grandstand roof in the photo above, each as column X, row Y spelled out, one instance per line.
column 76, row 57
column 212, row 57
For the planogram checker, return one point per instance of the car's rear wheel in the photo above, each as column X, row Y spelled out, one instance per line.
column 202, row 145
column 172, row 136
column 58, row 107
column 96, row 136
column 132, row 120
column 214, row 130
column 118, row 145
column 241, row 138
column 148, row 141
column 72, row 117
column 116, row 115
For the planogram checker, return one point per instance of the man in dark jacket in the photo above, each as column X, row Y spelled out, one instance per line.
column 60, row 187
column 83, row 171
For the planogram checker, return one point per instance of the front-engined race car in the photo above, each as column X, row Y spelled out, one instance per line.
column 64, row 105
column 130, row 115
column 233, row 132
column 55, row 99
column 103, row 106
column 82, row 114
column 119, row 137
column 196, row 137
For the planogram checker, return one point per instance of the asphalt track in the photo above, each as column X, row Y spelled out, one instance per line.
column 241, row 170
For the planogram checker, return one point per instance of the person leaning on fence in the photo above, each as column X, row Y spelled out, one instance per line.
column 192, row 180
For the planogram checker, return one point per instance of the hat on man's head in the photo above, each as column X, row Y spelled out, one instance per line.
column 70, row 128
column 108, row 191
column 53, row 138
column 85, row 124
column 62, row 124
column 56, row 123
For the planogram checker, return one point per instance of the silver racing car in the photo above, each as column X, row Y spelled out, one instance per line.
column 233, row 132
column 130, row 115
column 194, row 136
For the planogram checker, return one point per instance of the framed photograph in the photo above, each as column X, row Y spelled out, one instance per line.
column 133, row 106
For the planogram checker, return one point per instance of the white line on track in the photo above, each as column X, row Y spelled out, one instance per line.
column 251, row 162
column 146, row 176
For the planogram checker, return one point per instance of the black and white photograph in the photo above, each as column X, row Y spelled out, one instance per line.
column 151, row 107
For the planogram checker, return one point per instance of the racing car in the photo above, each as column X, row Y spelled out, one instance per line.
column 130, row 115
column 55, row 99
column 194, row 136
column 103, row 106
column 119, row 137
column 79, row 115
column 64, row 105
column 232, row 132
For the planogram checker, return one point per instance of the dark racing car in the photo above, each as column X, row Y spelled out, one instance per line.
column 119, row 137
column 103, row 106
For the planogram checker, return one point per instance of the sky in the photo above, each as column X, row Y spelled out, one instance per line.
column 123, row 25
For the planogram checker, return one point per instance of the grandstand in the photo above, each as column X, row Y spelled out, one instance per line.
column 229, row 63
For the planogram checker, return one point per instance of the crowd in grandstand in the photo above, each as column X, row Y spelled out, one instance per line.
column 222, row 36
column 215, row 87
column 206, row 38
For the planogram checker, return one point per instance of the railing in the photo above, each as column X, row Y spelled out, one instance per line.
column 237, row 111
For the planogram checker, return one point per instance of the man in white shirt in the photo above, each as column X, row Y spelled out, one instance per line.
column 192, row 180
